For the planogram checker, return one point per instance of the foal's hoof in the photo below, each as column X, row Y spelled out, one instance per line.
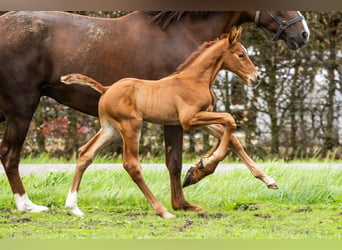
column 189, row 177
column 168, row 215
column 273, row 186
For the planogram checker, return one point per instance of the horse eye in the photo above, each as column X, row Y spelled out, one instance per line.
column 241, row 56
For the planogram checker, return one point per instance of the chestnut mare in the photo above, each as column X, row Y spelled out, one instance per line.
column 184, row 98
column 36, row 48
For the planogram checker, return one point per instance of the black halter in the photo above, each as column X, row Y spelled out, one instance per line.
column 282, row 24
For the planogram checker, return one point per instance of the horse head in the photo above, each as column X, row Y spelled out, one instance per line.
column 289, row 26
column 237, row 60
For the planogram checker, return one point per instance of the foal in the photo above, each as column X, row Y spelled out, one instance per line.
column 184, row 98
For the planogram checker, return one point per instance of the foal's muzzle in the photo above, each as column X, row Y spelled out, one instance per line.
column 253, row 82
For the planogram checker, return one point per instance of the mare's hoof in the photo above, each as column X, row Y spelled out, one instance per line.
column 187, row 206
column 188, row 180
column 193, row 208
column 36, row 209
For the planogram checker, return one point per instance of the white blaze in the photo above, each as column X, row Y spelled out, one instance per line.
column 306, row 28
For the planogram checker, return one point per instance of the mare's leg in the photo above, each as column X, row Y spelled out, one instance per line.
column 198, row 172
column 130, row 134
column 86, row 154
column 173, row 136
column 14, row 136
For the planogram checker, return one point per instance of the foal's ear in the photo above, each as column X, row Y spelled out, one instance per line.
column 238, row 33
column 234, row 34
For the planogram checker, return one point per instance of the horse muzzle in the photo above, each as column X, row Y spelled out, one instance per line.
column 298, row 42
column 254, row 82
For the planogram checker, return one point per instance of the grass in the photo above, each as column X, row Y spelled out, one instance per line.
column 46, row 158
column 308, row 205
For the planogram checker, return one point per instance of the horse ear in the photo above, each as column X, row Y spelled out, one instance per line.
column 238, row 33
column 232, row 34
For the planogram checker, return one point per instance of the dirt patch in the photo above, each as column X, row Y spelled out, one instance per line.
column 211, row 216
column 304, row 210
column 263, row 216
column 135, row 215
column 188, row 223
column 246, row 206
column 21, row 220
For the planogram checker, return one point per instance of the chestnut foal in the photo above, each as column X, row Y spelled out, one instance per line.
column 184, row 98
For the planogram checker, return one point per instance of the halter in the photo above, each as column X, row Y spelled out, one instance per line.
column 283, row 25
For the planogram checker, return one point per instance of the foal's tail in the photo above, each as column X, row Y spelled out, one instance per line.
column 84, row 80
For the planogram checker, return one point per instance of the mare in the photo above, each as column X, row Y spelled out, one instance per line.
column 183, row 98
column 36, row 48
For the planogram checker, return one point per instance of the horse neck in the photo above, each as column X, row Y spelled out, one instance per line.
column 206, row 66
column 218, row 23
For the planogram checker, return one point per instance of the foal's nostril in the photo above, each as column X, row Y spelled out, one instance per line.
column 305, row 35
column 258, row 78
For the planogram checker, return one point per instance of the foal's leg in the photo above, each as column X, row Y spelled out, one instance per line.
column 198, row 172
column 173, row 136
column 201, row 168
column 208, row 164
column 86, row 154
column 130, row 134
column 255, row 170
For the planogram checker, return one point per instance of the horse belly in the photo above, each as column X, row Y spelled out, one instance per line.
column 163, row 119
column 160, row 112
column 156, row 105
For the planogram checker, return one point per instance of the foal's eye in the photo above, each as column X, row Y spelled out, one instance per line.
column 241, row 56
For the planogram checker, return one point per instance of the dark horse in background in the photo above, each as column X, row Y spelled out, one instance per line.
column 36, row 48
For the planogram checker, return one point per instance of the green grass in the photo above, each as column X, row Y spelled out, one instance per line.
column 308, row 205
column 46, row 159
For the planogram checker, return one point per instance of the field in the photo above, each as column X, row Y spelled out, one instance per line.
column 308, row 205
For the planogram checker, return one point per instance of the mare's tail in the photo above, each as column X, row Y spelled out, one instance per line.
column 84, row 80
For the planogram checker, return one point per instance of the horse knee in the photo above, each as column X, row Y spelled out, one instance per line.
column 11, row 166
column 9, row 160
column 230, row 121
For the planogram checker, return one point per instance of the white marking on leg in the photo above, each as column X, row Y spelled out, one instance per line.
column 271, row 184
column 24, row 204
column 168, row 215
column 71, row 204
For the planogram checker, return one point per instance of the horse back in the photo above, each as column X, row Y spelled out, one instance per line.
column 38, row 47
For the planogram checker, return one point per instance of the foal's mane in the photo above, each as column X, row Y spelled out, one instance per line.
column 165, row 18
column 196, row 54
